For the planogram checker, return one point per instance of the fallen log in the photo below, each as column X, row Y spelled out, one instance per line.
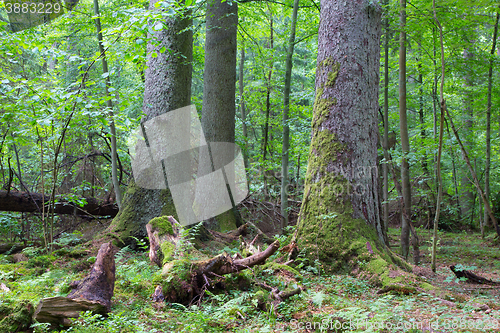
column 16, row 201
column 11, row 248
column 471, row 277
column 93, row 293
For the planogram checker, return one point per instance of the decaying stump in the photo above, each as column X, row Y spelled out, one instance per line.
column 92, row 293
column 164, row 236
column 184, row 279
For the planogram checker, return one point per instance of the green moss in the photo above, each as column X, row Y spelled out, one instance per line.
column 16, row 318
column 276, row 266
column 333, row 74
column 41, row 261
column 61, row 252
column 139, row 206
column 226, row 221
column 176, row 283
column 167, row 251
column 163, row 225
column 262, row 298
column 78, row 252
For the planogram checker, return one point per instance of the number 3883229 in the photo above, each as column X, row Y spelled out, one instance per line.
column 32, row 7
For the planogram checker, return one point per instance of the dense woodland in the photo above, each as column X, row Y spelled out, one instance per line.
column 369, row 132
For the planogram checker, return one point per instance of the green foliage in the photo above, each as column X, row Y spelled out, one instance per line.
column 114, row 323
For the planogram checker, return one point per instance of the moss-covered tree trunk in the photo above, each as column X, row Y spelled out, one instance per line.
column 167, row 88
column 339, row 218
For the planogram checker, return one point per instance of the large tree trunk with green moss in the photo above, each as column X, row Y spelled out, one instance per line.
column 339, row 219
column 167, row 88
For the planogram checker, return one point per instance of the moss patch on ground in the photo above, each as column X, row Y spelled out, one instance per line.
column 15, row 318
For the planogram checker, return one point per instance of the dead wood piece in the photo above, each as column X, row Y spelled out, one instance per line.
column 265, row 238
column 98, row 286
column 11, row 248
column 189, row 279
column 92, row 293
column 471, row 277
column 230, row 236
column 158, row 294
column 58, row 310
column 16, row 201
column 248, row 249
column 278, row 295
column 241, row 264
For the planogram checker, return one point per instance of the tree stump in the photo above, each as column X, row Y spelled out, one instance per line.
column 93, row 293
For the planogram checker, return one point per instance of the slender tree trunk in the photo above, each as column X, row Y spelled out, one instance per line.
column 467, row 197
column 268, row 112
column 405, row 142
column 487, row 222
column 440, row 148
column 109, row 105
column 219, row 87
column 286, row 108
column 167, row 88
column 242, row 106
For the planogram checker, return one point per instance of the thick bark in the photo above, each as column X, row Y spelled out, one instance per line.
column 405, row 142
column 286, row 128
column 14, row 201
column 385, row 166
column 219, row 88
column 167, row 88
column 340, row 211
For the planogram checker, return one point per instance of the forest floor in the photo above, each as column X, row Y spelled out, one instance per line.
column 331, row 303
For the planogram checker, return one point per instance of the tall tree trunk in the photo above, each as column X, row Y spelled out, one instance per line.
column 340, row 216
column 219, row 86
column 487, row 222
column 440, row 148
column 405, row 142
column 385, row 166
column 167, row 88
column 109, row 105
column 265, row 139
column 467, row 197
column 286, row 108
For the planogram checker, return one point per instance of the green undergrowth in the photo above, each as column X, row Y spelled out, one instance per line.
column 328, row 302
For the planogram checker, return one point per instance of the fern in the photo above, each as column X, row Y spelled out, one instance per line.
column 318, row 298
